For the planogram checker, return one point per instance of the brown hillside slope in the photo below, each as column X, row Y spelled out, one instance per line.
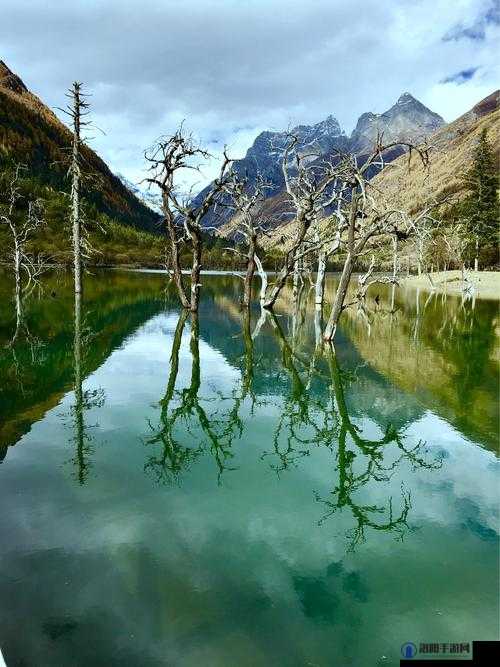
column 32, row 134
column 452, row 150
column 408, row 188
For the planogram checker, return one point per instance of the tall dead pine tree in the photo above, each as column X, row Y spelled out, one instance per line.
column 77, row 110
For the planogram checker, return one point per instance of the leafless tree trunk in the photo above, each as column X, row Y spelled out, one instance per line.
column 246, row 202
column 250, row 270
column 319, row 287
column 349, row 263
column 311, row 191
column 394, row 255
column 75, row 190
column 168, row 158
column 263, row 280
column 340, row 295
column 77, row 110
column 22, row 221
column 366, row 218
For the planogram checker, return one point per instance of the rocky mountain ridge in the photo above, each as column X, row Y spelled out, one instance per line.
column 408, row 119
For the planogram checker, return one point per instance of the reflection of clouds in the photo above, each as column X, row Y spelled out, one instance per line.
column 201, row 574
column 147, row 352
column 468, row 472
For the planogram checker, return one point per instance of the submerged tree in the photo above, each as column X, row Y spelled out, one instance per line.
column 168, row 159
column 312, row 186
column 22, row 218
column 366, row 215
column 246, row 202
column 77, row 110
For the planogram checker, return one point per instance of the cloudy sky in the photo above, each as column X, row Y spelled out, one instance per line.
column 233, row 68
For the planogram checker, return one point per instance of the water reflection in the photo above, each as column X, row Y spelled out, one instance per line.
column 84, row 400
column 378, row 465
column 251, row 483
column 441, row 350
column 213, row 431
column 37, row 369
column 321, row 418
column 310, row 410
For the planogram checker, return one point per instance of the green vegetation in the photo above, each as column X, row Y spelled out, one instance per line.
column 122, row 230
column 32, row 135
column 479, row 211
column 114, row 243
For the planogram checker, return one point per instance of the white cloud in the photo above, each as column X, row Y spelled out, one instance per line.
column 232, row 68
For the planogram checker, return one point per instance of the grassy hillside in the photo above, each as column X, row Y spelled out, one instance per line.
column 32, row 134
column 121, row 227
column 452, row 151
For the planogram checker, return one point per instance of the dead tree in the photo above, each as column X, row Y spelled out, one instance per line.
column 319, row 287
column 22, row 218
column 328, row 246
column 365, row 216
column 168, row 158
column 77, row 110
column 311, row 189
column 246, row 201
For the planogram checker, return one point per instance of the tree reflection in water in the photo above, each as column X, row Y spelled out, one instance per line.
column 213, row 431
column 322, row 419
column 354, row 474
column 312, row 413
column 83, row 399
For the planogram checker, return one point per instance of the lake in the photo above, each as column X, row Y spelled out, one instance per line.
column 221, row 491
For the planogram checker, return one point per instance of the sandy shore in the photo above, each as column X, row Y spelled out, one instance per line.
column 486, row 284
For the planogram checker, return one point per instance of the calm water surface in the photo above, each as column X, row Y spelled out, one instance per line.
column 221, row 492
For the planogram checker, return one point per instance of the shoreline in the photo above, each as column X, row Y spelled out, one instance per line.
column 483, row 284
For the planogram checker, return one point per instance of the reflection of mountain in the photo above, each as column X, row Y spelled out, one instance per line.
column 433, row 357
column 115, row 306
column 434, row 375
column 375, row 397
column 242, row 573
column 443, row 358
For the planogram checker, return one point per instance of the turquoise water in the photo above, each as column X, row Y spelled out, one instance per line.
column 222, row 492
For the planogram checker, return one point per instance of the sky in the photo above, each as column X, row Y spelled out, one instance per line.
column 232, row 68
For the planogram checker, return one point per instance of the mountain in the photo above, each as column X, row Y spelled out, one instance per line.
column 408, row 119
column 265, row 157
column 452, row 150
column 266, row 154
column 151, row 199
column 31, row 134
